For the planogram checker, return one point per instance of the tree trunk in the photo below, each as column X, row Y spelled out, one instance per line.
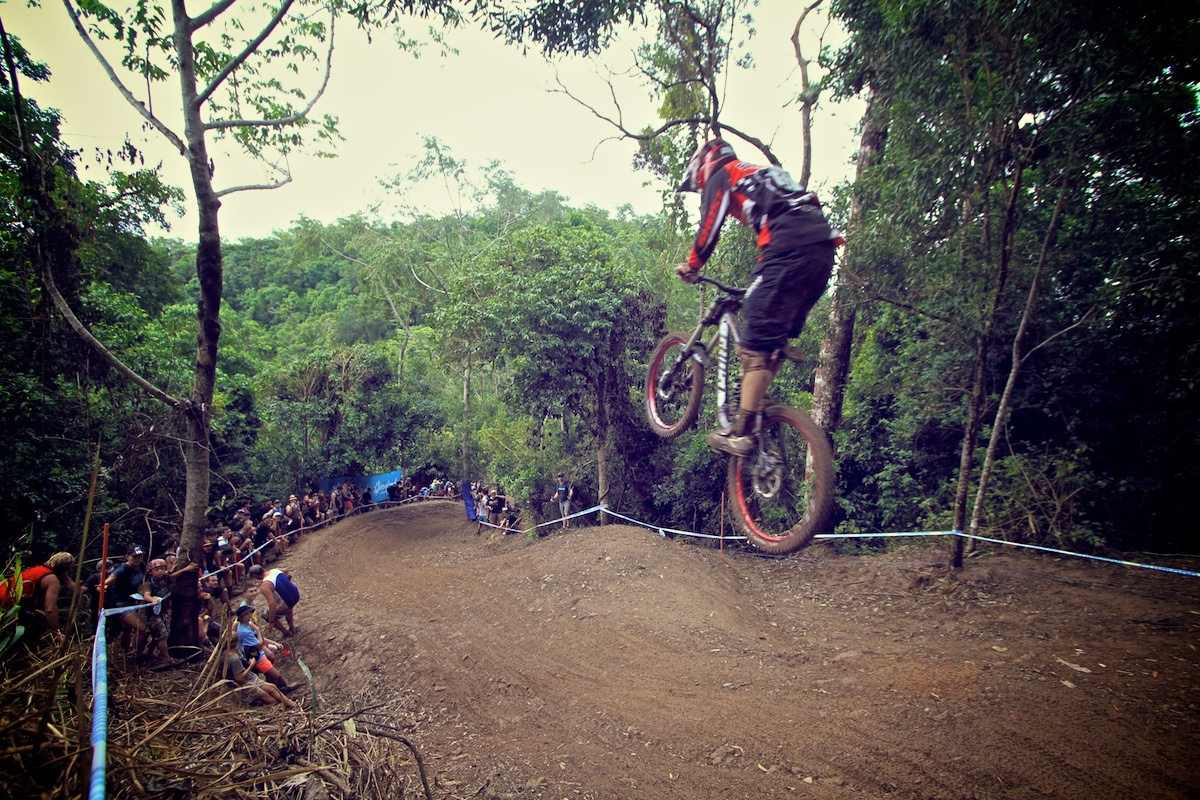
column 209, row 271
column 967, row 454
column 602, row 445
column 833, row 367
column 466, row 436
column 1015, row 368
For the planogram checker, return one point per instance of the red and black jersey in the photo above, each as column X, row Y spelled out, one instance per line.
column 760, row 198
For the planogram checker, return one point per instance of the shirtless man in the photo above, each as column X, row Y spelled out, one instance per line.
column 279, row 594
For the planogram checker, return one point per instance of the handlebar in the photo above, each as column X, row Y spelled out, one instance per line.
column 733, row 290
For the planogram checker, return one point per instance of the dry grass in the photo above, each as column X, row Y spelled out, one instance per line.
column 186, row 733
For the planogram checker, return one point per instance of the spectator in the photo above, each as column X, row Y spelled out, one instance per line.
column 253, row 647
column 278, row 532
column 493, row 506
column 124, row 589
column 214, row 596
column 481, row 498
column 263, row 542
column 293, row 517
column 41, row 587
column 157, row 618
column 564, row 493
column 512, row 516
column 241, row 672
column 280, row 596
column 91, row 586
column 227, row 556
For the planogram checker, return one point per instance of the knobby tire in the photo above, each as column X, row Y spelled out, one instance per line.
column 792, row 500
column 671, row 416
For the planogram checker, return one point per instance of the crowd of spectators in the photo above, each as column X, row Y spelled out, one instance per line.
column 497, row 508
column 241, row 595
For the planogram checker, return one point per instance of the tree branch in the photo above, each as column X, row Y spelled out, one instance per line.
column 214, row 11
column 141, row 108
column 252, row 187
column 241, row 57
column 807, row 100
column 299, row 115
column 61, row 304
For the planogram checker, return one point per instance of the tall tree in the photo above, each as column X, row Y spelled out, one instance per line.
column 222, row 59
column 993, row 118
column 571, row 320
column 54, row 223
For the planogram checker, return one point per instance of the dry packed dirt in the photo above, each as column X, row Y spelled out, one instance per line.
column 607, row 662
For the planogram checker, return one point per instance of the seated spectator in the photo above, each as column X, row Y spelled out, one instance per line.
column 215, row 597
column 264, row 543
column 253, row 647
column 241, row 671
column 278, row 532
column 124, row 589
column 241, row 548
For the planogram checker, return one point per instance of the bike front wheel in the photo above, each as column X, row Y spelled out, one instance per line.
column 782, row 494
column 674, row 385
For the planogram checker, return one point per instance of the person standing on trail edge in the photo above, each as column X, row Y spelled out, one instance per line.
column 796, row 248
column 563, row 494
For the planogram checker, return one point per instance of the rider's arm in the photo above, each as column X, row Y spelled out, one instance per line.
column 50, row 602
column 714, row 207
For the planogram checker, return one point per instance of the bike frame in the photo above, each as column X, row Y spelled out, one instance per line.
column 723, row 314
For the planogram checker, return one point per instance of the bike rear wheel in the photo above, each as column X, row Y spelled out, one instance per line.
column 782, row 494
column 672, row 401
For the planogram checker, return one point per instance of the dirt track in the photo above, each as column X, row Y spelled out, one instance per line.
column 611, row 663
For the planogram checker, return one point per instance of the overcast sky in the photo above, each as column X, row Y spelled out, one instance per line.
column 487, row 103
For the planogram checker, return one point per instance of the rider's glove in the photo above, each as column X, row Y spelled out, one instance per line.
column 687, row 273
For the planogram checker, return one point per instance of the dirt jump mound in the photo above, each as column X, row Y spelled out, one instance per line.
column 607, row 662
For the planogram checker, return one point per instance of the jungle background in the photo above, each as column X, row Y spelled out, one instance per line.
column 1018, row 295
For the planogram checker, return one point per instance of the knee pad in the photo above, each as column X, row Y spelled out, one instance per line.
column 758, row 360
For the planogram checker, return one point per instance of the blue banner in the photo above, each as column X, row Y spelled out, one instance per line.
column 376, row 483
column 468, row 500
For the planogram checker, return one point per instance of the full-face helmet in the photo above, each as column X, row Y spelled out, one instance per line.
column 707, row 157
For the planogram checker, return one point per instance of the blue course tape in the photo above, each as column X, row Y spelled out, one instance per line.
column 100, row 699
column 1078, row 555
column 99, row 711
column 663, row 531
column 880, row 535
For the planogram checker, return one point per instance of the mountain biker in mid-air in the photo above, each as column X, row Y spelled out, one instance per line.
column 796, row 248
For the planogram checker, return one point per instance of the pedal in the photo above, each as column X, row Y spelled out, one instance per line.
column 700, row 355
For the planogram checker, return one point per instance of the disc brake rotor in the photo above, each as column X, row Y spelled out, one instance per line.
column 766, row 475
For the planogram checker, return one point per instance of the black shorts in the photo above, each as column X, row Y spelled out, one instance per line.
column 788, row 281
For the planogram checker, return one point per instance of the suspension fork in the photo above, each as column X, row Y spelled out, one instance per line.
column 692, row 348
column 725, row 342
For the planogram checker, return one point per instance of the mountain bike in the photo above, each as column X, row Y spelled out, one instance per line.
column 782, row 494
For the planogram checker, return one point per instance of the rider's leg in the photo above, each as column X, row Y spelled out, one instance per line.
column 788, row 281
column 758, row 370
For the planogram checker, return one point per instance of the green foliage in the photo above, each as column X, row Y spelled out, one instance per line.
column 996, row 112
column 508, row 339
column 11, row 629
